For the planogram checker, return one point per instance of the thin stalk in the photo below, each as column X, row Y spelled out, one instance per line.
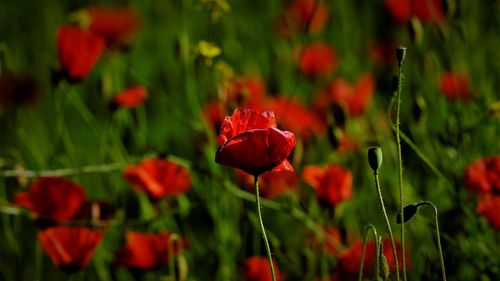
column 171, row 255
column 377, row 273
column 263, row 230
column 381, row 199
column 296, row 213
column 90, row 169
column 400, row 165
column 438, row 238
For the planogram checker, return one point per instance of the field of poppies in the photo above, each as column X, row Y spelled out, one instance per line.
column 250, row 140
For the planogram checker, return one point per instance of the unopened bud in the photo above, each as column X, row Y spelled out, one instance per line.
column 400, row 54
column 375, row 158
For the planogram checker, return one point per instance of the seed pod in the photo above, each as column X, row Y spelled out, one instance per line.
column 400, row 54
column 375, row 158
column 409, row 211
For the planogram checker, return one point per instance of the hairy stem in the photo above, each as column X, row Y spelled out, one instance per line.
column 400, row 165
column 377, row 252
column 438, row 238
column 381, row 199
column 263, row 230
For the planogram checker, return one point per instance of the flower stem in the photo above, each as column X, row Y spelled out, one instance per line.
column 377, row 265
column 400, row 165
column 171, row 255
column 381, row 199
column 263, row 230
column 438, row 238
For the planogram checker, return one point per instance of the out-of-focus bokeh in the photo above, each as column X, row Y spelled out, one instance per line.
column 111, row 114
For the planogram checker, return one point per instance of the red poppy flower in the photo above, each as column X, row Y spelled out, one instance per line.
column 117, row 26
column 131, row 97
column 356, row 98
column 489, row 207
column 251, row 142
column 272, row 184
column 257, row 269
column 483, row 175
column 454, row 86
column 148, row 250
column 79, row 50
column 53, row 198
column 333, row 184
column 158, row 178
column 428, row 11
column 70, row 249
column 350, row 260
column 318, row 59
column 300, row 13
column 296, row 117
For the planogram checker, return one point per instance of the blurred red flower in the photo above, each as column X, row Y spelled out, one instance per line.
column 158, row 178
column 148, row 250
column 240, row 91
column 333, row 184
column 382, row 53
column 454, row 86
column 79, row 50
column 355, row 98
column 489, row 207
column 317, row 59
column 53, row 198
column 213, row 112
column 296, row 117
column 246, row 91
column 483, row 175
column 70, row 249
column 333, row 240
column 350, row 260
column 251, row 142
column 428, row 11
column 131, row 97
column 257, row 269
column 117, row 26
column 272, row 184
column 299, row 13
column 331, row 243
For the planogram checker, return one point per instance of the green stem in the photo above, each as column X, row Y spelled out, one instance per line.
column 400, row 165
column 171, row 255
column 296, row 213
column 381, row 199
column 263, row 230
column 90, row 169
column 438, row 238
column 367, row 229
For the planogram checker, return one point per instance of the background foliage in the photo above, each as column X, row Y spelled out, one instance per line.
column 70, row 125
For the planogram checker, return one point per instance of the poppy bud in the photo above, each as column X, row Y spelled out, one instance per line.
column 384, row 266
column 400, row 54
column 375, row 158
